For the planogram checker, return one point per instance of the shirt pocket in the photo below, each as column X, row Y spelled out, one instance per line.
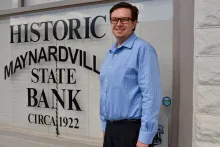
column 131, row 73
column 130, row 77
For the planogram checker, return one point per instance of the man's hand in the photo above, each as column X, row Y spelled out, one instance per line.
column 139, row 144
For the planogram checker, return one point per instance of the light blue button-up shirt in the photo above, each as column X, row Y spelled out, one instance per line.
column 130, row 86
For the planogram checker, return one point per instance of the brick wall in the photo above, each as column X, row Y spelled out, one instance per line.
column 207, row 74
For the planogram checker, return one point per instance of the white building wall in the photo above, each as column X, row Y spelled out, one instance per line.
column 207, row 74
column 5, row 85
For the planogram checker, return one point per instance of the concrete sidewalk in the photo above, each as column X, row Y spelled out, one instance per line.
column 11, row 138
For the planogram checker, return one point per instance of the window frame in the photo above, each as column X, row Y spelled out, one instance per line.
column 22, row 9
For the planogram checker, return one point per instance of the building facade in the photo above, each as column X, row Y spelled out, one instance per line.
column 51, row 52
column 206, row 73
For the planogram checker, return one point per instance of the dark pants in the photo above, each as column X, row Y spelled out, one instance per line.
column 122, row 134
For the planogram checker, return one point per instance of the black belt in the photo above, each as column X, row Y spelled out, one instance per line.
column 124, row 121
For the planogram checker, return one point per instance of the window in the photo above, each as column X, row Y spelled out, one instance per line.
column 8, row 4
column 36, row 2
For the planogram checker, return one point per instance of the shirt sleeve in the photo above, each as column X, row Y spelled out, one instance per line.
column 102, row 110
column 150, row 85
column 103, row 119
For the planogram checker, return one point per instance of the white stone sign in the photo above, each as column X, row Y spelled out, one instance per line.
column 53, row 69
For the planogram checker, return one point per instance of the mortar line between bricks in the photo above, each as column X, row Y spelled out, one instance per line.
column 211, row 27
column 203, row 114
column 209, row 85
column 211, row 57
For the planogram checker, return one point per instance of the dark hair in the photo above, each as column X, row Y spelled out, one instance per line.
column 134, row 10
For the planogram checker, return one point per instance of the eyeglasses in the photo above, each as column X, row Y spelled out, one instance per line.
column 123, row 20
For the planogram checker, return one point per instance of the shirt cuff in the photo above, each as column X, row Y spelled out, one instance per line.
column 146, row 137
column 103, row 126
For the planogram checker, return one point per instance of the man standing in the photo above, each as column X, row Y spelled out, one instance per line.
column 130, row 84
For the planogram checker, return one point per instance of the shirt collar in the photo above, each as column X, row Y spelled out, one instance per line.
column 128, row 43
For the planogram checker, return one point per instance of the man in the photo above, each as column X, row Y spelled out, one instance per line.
column 130, row 84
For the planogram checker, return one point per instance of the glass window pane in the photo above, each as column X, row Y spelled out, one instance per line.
column 36, row 2
column 5, row 4
column 14, row 3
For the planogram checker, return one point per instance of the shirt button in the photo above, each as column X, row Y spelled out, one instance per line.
column 115, row 55
column 109, row 66
column 106, row 80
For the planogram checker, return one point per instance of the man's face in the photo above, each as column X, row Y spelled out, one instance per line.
column 122, row 30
